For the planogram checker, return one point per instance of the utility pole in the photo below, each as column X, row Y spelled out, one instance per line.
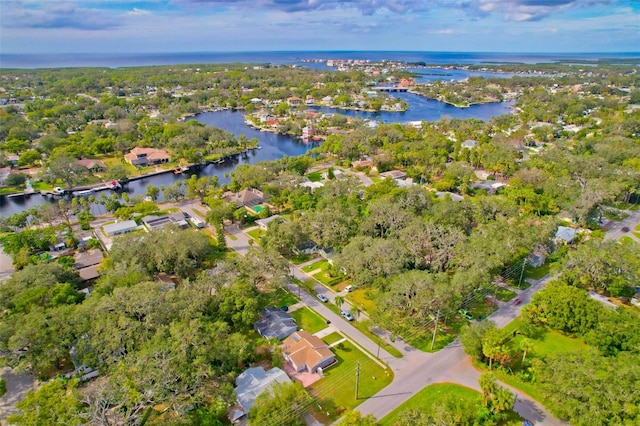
column 357, row 378
column 524, row 264
column 435, row 329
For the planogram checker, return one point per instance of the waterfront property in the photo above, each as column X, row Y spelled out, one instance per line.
column 154, row 222
column 147, row 156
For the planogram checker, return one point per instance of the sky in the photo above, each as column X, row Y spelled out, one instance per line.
column 164, row 26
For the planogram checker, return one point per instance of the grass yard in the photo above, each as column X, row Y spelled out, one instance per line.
column 627, row 240
column 433, row 395
column 321, row 264
column 363, row 298
column 504, row 294
column 301, row 258
column 309, row 320
column 336, row 391
column 545, row 341
column 328, row 279
column 330, row 339
column 256, row 234
column 279, row 297
column 536, row 273
column 315, row 176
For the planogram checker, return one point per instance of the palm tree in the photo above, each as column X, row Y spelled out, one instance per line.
column 356, row 311
column 339, row 301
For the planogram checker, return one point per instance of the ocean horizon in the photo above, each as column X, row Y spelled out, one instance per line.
column 119, row 60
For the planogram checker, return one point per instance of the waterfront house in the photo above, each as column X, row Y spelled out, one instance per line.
column 306, row 352
column 293, row 101
column 93, row 165
column 147, row 156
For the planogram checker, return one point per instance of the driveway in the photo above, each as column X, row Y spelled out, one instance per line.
column 416, row 369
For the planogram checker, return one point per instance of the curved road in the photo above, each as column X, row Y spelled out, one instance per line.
column 416, row 369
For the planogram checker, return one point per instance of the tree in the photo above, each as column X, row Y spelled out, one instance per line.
column 55, row 402
column 173, row 192
column 472, row 336
column 152, row 192
column 526, row 345
column 15, row 179
column 339, row 301
column 117, row 173
column 354, row 418
column 66, row 168
column 282, row 404
column 493, row 345
column 495, row 397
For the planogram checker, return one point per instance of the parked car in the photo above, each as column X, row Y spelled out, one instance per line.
column 465, row 314
column 347, row 315
column 349, row 288
column 186, row 215
column 197, row 222
column 322, row 298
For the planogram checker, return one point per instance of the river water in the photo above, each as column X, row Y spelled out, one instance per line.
column 276, row 146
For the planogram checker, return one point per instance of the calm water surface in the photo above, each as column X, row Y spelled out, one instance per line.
column 276, row 146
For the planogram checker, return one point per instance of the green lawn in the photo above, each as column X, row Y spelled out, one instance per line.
column 432, row 396
column 332, row 338
column 363, row 298
column 301, row 258
column 315, row 176
column 328, row 279
column 278, row 297
column 504, row 294
column 309, row 320
column 336, row 391
column 321, row 264
column 627, row 240
column 256, row 234
column 536, row 273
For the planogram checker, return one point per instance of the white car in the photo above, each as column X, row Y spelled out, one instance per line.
column 347, row 315
column 349, row 288
column 58, row 191
column 322, row 297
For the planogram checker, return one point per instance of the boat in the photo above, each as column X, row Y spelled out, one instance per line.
column 82, row 193
column 180, row 170
column 259, row 147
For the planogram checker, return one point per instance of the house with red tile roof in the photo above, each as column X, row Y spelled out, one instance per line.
column 147, row 156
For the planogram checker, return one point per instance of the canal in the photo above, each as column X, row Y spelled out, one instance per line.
column 274, row 146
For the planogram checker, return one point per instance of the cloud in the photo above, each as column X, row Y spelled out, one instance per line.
column 367, row 7
column 523, row 10
column 18, row 14
column 137, row 12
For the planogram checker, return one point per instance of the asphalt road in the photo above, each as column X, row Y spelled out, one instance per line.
column 416, row 369
column 615, row 231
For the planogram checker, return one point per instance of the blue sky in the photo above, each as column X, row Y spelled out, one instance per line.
column 127, row 26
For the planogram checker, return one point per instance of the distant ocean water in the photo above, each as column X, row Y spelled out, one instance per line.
column 116, row 60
